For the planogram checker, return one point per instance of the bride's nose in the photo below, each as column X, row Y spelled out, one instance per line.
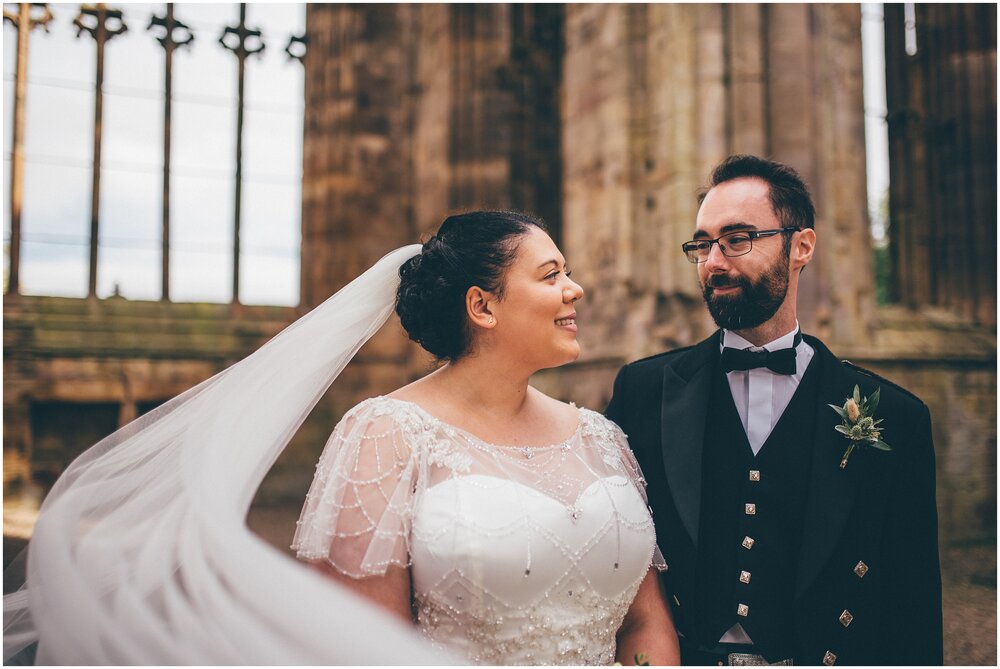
column 573, row 292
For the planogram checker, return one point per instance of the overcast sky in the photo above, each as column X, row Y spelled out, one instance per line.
column 59, row 138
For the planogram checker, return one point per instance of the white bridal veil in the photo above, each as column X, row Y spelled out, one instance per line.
column 141, row 553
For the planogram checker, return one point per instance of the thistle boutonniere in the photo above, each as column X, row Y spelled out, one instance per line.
column 860, row 426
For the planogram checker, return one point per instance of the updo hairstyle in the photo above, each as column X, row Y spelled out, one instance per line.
column 470, row 249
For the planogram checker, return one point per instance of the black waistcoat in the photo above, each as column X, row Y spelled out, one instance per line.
column 752, row 515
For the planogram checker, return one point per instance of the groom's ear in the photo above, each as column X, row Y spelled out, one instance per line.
column 477, row 306
column 803, row 247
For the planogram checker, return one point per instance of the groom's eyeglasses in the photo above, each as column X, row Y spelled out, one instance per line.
column 733, row 244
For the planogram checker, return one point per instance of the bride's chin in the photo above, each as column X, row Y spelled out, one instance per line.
column 571, row 356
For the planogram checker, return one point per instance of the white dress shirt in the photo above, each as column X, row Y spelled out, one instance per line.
column 761, row 395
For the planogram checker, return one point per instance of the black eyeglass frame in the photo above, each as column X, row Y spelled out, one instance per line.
column 752, row 234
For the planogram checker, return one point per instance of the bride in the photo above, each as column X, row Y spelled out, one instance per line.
column 516, row 524
column 500, row 524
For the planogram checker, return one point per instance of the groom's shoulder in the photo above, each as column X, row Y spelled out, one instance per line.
column 870, row 378
column 652, row 366
column 888, row 388
column 678, row 358
column 657, row 360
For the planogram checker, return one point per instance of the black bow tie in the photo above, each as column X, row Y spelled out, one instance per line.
column 781, row 361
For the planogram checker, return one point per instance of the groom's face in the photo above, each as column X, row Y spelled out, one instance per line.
column 747, row 290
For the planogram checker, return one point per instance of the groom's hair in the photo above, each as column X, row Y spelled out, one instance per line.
column 789, row 195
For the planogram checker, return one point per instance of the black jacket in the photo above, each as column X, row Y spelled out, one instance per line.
column 869, row 543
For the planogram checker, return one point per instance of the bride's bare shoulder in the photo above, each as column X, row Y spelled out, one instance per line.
column 424, row 391
column 564, row 411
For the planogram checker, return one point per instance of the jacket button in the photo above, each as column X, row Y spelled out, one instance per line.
column 861, row 569
column 829, row 659
column 846, row 618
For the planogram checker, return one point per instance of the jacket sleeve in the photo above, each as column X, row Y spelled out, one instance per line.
column 912, row 599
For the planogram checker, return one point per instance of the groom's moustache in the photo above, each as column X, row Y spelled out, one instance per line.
column 724, row 281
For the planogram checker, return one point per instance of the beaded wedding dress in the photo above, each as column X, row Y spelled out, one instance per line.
column 517, row 555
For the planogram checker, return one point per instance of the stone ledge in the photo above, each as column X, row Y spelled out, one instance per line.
column 41, row 327
column 928, row 335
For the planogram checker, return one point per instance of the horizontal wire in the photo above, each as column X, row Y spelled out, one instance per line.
column 137, row 93
column 293, row 179
column 140, row 244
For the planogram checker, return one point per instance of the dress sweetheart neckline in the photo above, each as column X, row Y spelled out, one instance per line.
column 586, row 489
column 520, row 450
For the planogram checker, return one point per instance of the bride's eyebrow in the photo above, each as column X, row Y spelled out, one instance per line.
column 549, row 262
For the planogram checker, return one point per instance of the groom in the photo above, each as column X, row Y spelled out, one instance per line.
column 779, row 549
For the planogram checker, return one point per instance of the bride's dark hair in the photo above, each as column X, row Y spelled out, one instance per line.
column 470, row 249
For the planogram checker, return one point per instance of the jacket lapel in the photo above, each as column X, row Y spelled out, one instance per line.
column 832, row 490
column 686, row 386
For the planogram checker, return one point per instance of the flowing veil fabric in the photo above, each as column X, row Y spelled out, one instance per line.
column 141, row 553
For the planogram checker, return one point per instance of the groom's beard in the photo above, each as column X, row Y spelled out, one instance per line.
column 754, row 304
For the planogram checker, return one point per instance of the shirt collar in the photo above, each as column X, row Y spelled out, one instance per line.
column 733, row 340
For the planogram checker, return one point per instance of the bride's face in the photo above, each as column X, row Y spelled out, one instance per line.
column 536, row 318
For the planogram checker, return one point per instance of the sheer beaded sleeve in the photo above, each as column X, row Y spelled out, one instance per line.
column 358, row 511
column 618, row 455
column 639, row 481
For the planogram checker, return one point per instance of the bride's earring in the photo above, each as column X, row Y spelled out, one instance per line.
column 492, row 320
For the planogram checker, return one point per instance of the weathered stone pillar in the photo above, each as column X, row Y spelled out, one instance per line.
column 656, row 95
column 843, row 283
column 533, row 80
column 599, row 195
column 816, row 124
column 414, row 112
column 358, row 181
column 943, row 159
column 747, row 50
column 480, row 139
column 433, row 93
column 355, row 186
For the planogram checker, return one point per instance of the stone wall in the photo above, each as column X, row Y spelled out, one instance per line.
column 606, row 119
column 74, row 370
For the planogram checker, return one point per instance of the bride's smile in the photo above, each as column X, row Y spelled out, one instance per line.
column 538, row 292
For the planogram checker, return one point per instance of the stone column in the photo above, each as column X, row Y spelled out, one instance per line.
column 942, row 139
column 655, row 96
column 840, row 285
column 598, row 195
column 356, row 173
column 414, row 112
column 358, row 181
column 479, row 134
column 432, row 118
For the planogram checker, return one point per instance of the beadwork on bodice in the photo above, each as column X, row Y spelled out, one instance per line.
column 518, row 555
